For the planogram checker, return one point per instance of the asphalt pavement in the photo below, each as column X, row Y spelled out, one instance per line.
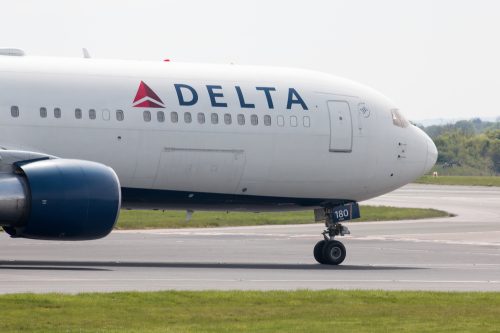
column 452, row 254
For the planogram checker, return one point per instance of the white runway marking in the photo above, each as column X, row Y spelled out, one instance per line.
column 254, row 280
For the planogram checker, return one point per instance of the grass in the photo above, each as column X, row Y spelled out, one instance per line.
column 461, row 180
column 252, row 311
column 140, row 219
column 464, row 170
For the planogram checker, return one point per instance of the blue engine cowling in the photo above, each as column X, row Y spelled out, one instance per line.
column 66, row 200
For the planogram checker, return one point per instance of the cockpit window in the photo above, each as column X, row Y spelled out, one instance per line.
column 398, row 119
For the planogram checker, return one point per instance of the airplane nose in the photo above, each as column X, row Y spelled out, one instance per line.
column 432, row 154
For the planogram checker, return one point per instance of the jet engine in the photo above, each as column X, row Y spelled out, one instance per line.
column 59, row 199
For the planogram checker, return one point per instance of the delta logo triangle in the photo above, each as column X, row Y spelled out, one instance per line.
column 147, row 98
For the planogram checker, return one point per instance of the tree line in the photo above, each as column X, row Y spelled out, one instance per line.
column 468, row 147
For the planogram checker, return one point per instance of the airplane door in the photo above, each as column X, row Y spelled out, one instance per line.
column 340, row 126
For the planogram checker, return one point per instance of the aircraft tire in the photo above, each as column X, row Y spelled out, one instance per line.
column 318, row 252
column 334, row 252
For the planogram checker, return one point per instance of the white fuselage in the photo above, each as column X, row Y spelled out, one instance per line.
column 316, row 136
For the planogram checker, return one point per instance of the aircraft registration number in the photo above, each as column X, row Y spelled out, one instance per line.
column 346, row 212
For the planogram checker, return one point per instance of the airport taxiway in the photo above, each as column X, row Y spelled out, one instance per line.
column 456, row 253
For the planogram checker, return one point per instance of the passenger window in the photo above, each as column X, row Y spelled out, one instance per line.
column 120, row 115
column 227, row 119
column 160, row 116
column 398, row 119
column 241, row 119
column 293, row 121
column 201, row 118
column 307, row 121
column 105, row 114
column 187, row 117
column 92, row 114
column 14, row 111
column 281, row 121
column 43, row 112
column 78, row 113
column 254, row 120
column 267, row 120
column 147, row 116
column 174, row 117
column 215, row 118
column 57, row 113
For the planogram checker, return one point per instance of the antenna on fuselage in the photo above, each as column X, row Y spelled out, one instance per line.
column 86, row 53
column 189, row 215
column 12, row 52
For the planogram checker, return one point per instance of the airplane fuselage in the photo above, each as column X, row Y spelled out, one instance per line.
column 213, row 136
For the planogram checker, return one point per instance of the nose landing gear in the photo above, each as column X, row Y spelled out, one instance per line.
column 330, row 251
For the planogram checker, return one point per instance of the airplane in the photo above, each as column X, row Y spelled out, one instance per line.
column 81, row 138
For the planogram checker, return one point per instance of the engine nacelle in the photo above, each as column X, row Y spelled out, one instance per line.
column 59, row 199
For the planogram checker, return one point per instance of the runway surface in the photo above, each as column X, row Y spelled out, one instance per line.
column 458, row 253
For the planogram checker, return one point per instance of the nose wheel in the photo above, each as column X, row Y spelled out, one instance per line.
column 330, row 251
column 318, row 252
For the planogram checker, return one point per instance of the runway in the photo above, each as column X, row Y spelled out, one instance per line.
column 456, row 253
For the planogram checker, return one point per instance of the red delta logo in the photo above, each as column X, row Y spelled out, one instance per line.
column 147, row 98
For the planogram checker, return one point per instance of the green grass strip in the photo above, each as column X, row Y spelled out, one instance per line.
column 251, row 311
column 140, row 219
column 460, row 180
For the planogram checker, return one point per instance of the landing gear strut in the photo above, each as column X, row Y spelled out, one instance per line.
column 330, row 251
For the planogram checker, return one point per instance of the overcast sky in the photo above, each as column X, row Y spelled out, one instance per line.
column 434, row 58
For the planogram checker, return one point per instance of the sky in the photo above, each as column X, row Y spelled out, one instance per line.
column 433, row 58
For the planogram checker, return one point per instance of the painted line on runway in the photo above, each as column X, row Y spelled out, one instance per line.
column 409, row 238
column 398, row 238
column 257, row 280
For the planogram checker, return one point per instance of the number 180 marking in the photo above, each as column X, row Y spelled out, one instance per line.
column 341, row 214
